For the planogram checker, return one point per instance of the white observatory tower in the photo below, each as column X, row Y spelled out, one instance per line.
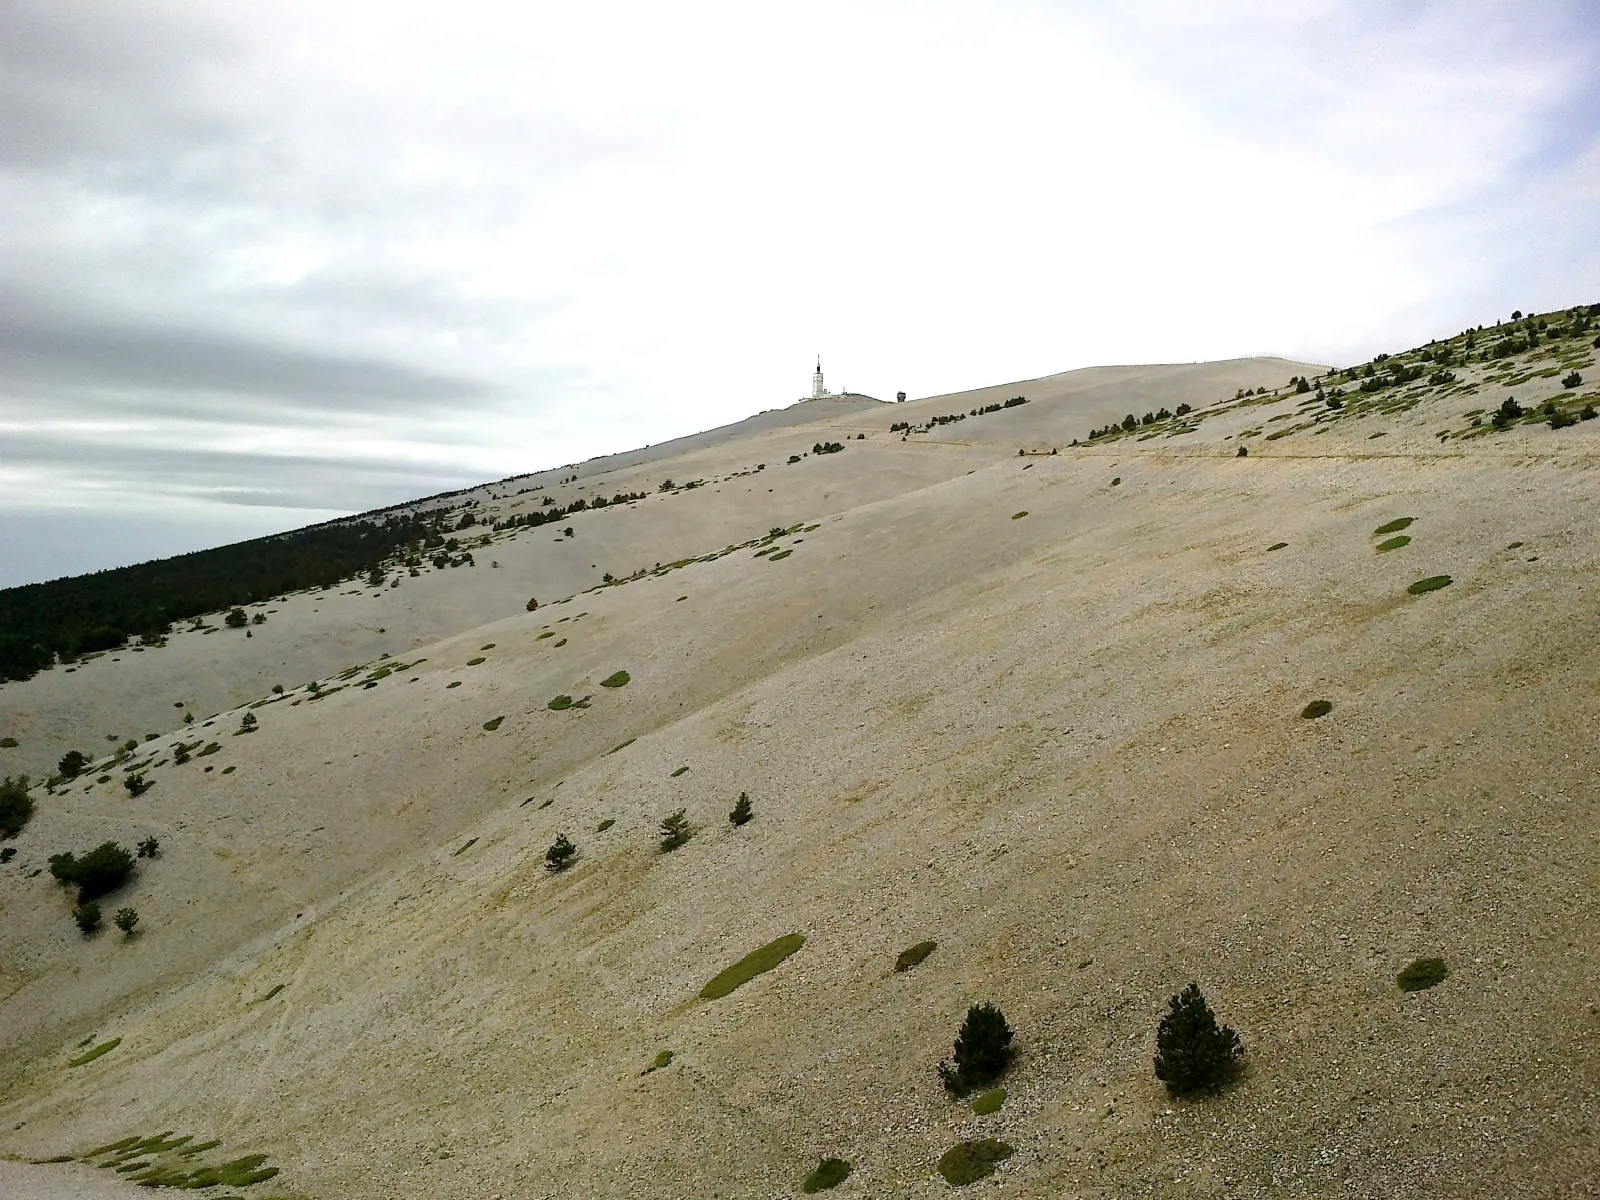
column 817, row 390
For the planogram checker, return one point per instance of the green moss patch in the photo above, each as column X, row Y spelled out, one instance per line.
column 989, row 1102
column 968, row 1162
column 1393, row 543
column 616, row 679
column 1422, row 975
column 913, row 955
column 1431, row 584
column 102, row 1048
column 1317, row 708
column 1394, row 526
column 757, row 962
column 491, row 725
column 829, row 1173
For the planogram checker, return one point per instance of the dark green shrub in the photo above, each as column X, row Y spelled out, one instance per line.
column 1431, row 584
column 616, row 679
column 913, row 956
column 72, row 764
column 1244, row 452
column 741, row 813
column 8, row 743
column 989, row 1102
column 102, row 870
column 1317, row 708
column 829, row 1173
column 560, row 703
column 492, row 724
column 149, row 848
column 674, row 831
column 968, row 1162
column 604, row 825
column 532, row 604
column 1571, row 380
column 1561, row 420
column 87, row 915
column 1422, row 975
column 1194, row 1053
column 236, row 619
column 1588, row 413
column 982, row 1050
column 180, row 754
column 1394, row 543
column 125, row 920
column 1394, row 526
column 16, row 806
column 757, row 962
column 136, row 784
column 560, row 854
column 1017, row 516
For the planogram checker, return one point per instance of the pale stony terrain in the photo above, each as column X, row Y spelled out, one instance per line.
column 1065, row 744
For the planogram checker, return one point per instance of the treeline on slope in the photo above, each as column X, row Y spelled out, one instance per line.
column 554, row 512
column 101, row 611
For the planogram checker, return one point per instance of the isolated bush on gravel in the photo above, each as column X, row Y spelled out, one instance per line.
column 982, row 1051
column 559, row 856
column 1193, row 1052
column 674, row 831
column 102, row 870
column 16, row 806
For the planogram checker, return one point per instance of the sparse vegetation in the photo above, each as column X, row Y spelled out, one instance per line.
column 660, row 1062
column 136, row 784
column 982, row 1050
column 1017, row 516
column 913, row 956
column 72, row 764
column 1394, row 543
column 675, row 830
column 16, row 806
column 560, row 854
column 1422, row 974
column 1431, row 584
column 236, row 619
column 560, row 703
column 604, row 825
column 1193, row 1053
column 1394, row 526
column 829, row 1173
column 616, row 679
column 742, row 812
column 126, row 920
column 492, row 724
column 968, row 1162
column 474, row 662
column 1317, row 708
column 757, row 962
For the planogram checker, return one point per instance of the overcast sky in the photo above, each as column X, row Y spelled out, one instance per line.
column 262, row 263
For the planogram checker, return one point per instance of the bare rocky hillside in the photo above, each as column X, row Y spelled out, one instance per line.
column 987, row 682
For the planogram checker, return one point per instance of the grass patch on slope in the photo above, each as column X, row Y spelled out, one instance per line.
column 102, row 1048
column 989, row 1102
column 968, row 1162
column 757, row 962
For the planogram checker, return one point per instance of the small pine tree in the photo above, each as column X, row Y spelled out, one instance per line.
column 87, row 915
column 236, row 619
column 675, row 830
column 72, row 764
column 136, row 784
column 741, row 813
column 16, row 807
column 149, row 848
column 559, row 856
column 1194, row 1053
column 125, row 920
column 982, row 1050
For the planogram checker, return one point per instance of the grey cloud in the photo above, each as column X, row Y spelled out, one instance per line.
column 89, row 79
column 43, row 345
column 349, row 483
